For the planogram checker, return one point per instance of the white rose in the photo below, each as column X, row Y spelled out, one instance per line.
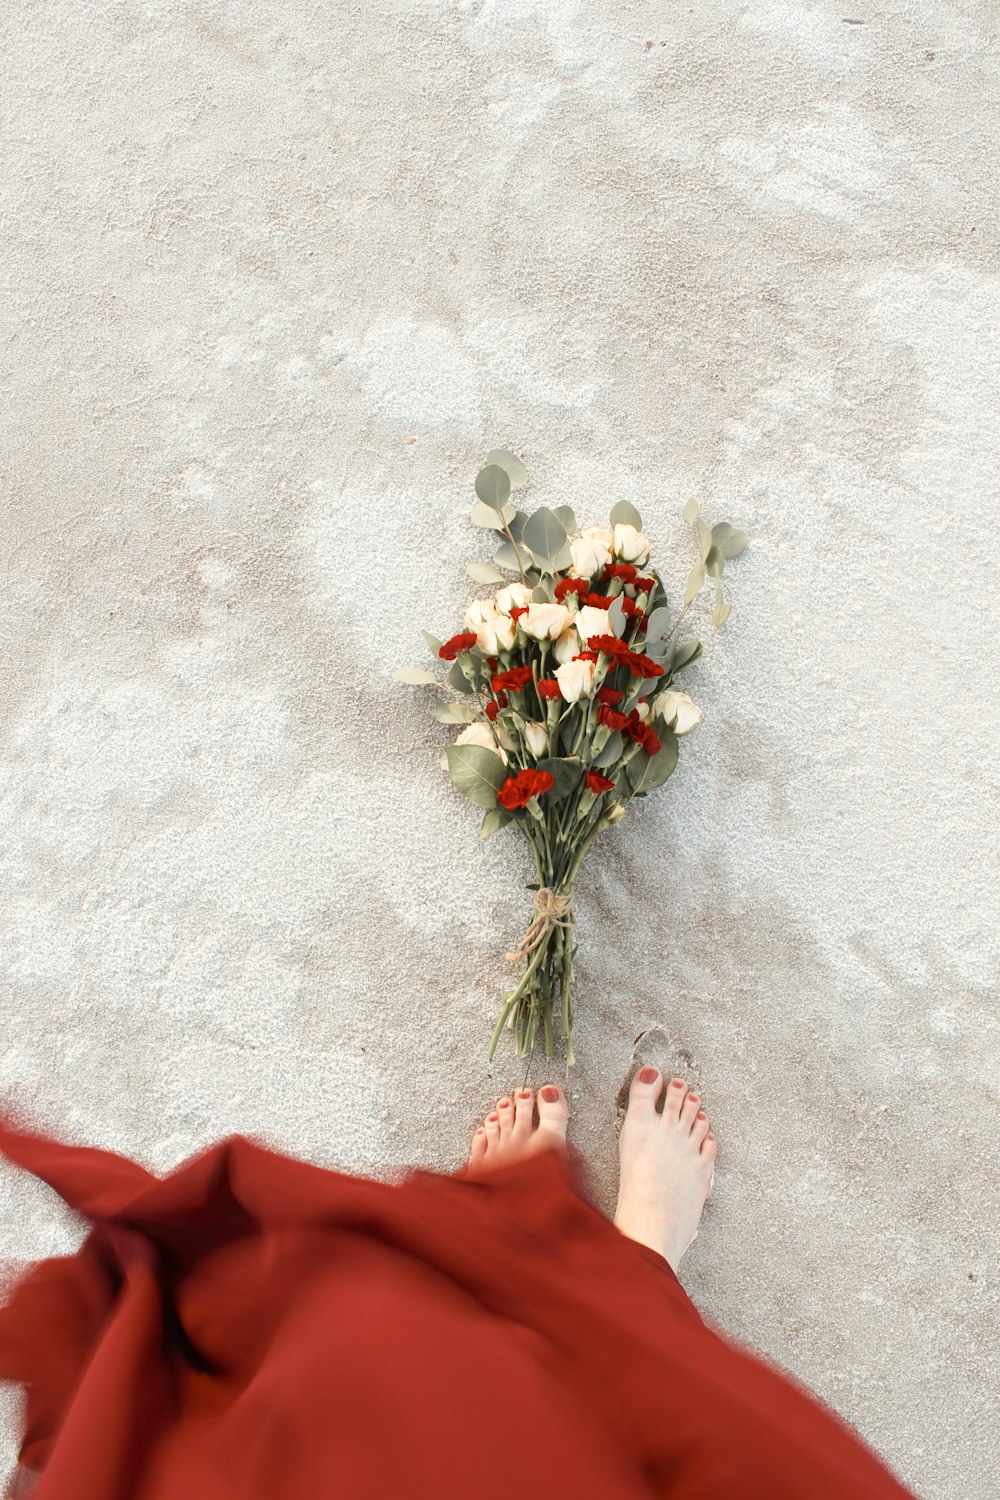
column 480, row 734
column 514, row 596
column 630, row 545
column 495, row 632
column 575, row 679
column 537, row 739
column 677, row 705
column 546, row 621
column 591, row 621
column 591, row 551
column 567, row 645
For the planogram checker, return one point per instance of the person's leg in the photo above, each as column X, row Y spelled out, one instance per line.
column 667, row 1158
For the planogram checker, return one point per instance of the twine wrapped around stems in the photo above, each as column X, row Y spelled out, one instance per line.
column 550, row 911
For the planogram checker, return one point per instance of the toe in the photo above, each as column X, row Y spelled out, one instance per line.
column 645, row 1089
column 675, row 1098
column 505, row 1110
column 524, row 1108
column 689, row 1112
column 709, row 1152
column 478, row 1150
column 700, row 1128
column 492, row 1127
column 553, row 1111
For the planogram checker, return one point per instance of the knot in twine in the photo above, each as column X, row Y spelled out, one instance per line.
column 550, row 911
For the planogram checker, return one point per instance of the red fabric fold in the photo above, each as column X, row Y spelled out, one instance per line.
column 253, row 1327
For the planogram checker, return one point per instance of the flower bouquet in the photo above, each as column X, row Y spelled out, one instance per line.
column 563, row 682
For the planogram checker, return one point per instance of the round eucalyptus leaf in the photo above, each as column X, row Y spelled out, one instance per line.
column 657, row 630
column 691, row 511
column 729, row 541
column 488, row 518
column 617, row 616
column 415, row 676
column 432, row 643
column 564, row 514
column 611, row 750
column 457, row 680
column 714, row 562
column 685, row 652
column 624, row 514
column 648, row 771
column 454, row 713
column 566, row 772
column 481, row 572
column 696, row 578
column 494, row 818
column 515, row 469
column 476, row 772
column 546, row 536
column 506, row 557
column 493, row 486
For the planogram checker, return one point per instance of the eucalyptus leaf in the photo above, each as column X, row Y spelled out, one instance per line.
column 566, row 772
column 490, row 519
column 648, row 771
column 545, row 534
column 685, row 652
column 617, row 617
column 725, row 612
column 481, row 572
column 729, row 541
column 516, row 471
column 714, row 562
column 704, row 538
column 696, row 578
column 657, row 630
column 624, row 514
column 432, row 642
column 516, row 524
column 544, row 591
column 611, row 751
column 454, row 713
column 691, row 511
column 476, row 772
column 493, row 486
column 457, row 680
column 564, row 514
column 494, row 818
column 506, row 557
column 415, row 676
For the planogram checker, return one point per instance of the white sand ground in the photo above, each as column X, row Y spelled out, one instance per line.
column 278, row 277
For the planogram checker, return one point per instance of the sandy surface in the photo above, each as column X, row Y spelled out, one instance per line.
column 279, row 277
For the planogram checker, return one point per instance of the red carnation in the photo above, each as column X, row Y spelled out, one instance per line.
column 598, row 783
column 518, row 790
column 492, row 709
column 548, row 687
column 611, row 717
column 644, row 585
column 641, row 665
column 457, row 644
column 629, row 606
column 597, row 601
column 642, row 733
column 586, row 656
column 620, row 570
column 513, row 680
column 570, row 586
column 492, row 662
column 651, row 741
column 518, row 611
column 609, row 644
column 609, row 695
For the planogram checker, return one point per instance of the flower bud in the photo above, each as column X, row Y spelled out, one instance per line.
column 629, row 545
column 545, row 621
column 534, row 808
column 587, row 800
column 673, row 706
column 591, row 551
column 614, row 812
column 566, row 645
column 601, row 736
column 536, row 738
column 480, row 734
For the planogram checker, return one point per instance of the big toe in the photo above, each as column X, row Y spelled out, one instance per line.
column 553, row 1111
column 645, row 1090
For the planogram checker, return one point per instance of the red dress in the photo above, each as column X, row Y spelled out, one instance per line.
column 252, row 1327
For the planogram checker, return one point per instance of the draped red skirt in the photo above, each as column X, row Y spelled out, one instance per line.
column 252, row 1327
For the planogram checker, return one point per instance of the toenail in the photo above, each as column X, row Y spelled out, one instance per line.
column 550, row 1094
column 524, row 1094
column 647, row 1075
column 702, row 1115
column 505, row 1104
column 678, row 1083
column 693, row 1098
column 494, row 1117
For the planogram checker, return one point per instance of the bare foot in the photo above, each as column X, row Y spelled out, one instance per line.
column 667, row 1166
column 510, row 1132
